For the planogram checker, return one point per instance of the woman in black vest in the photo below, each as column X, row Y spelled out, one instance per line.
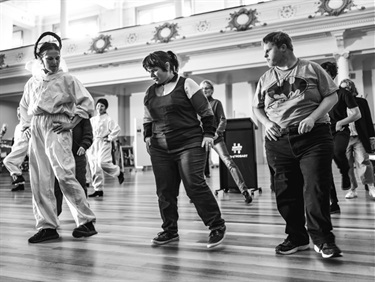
column 177, row 144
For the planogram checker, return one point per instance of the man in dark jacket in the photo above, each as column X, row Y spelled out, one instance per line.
column 359, row 145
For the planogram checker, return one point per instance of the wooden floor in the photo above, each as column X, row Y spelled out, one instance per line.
column 128, row 218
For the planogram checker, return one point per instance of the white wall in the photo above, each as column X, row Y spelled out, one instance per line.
column 136, row 109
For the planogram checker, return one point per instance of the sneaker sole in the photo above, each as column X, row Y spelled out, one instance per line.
column 79, row 234
column 351, row 197
column 334, row 255
column 294, row 250
column 164, row 242
column 45, row 239
column 210, row 246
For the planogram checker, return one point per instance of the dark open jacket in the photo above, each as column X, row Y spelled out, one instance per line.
column 364, row 126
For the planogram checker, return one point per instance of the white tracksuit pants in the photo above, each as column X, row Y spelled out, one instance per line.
column 51, row 155
column 16, row 157
column 100, row 160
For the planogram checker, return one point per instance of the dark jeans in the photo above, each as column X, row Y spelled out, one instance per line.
column 341, row 141
column 188, row 166
column 303, row 176
column 207, row 166
column 81, row 177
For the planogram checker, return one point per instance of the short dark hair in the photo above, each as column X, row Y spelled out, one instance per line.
column 103, row 101
column 330, row 68
column 159, row 58
column 279, row 38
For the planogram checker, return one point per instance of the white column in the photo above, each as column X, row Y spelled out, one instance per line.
column 229, row 100
column 342, row 60
column 123, row 110
column 6, row 32
column 120, row 12
column 63, row 19
column 179, row 5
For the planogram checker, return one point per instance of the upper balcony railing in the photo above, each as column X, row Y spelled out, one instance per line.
column 281, row 14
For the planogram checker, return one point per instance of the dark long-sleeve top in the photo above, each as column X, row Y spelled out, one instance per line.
column 82, row 135
column 364, row 125
column 220, row 119
column 171, row 120
column 345, row 101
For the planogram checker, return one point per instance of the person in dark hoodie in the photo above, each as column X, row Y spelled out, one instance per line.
column 82, row 140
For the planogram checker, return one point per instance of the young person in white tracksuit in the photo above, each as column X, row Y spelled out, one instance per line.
column 105, row 130
column 52, row 104
column 16, row 157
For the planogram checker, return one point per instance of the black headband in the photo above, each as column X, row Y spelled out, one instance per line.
column 40, row 38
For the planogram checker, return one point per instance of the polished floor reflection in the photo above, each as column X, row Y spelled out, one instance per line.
column 128, row 218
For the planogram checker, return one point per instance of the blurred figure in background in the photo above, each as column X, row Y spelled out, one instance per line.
column 14, row 160
column 105, row 130
column 340, row 120
column 359, row 146
column 219, row 145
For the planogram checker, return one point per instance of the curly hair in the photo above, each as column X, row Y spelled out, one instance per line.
column 330, row 68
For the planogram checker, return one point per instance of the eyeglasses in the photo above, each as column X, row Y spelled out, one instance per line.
column 206, row 88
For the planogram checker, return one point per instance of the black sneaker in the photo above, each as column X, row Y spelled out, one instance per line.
column 247, row 196
column 121, row 177
column 334, row 208
column 96, row 194
column 288, row 247
column 84, row 230
column 19, row 187
column 328, row 250
column 216, row 237
column 345, row 182
column 18, row 180
column 44, row 235
column 165, row 237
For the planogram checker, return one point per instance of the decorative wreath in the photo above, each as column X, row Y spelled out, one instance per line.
column 332, row 9
column 164, row 33
column 243, row 19
column 100, row 44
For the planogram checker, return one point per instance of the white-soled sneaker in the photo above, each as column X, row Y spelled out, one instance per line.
column 351, row 194
column 371, row 191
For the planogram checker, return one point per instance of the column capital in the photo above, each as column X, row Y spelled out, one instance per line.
column 345, row 54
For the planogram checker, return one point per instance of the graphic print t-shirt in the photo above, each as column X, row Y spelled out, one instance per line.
column 289, row 96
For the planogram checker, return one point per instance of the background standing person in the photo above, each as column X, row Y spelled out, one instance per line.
column 292, row 101
column 177, row 145
column 219, row 145
column 105, row 130
column 3, row 130
column 82, row 140
column 359, row 145
column 14, row 160
column 340, row 120
column 51, row 98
